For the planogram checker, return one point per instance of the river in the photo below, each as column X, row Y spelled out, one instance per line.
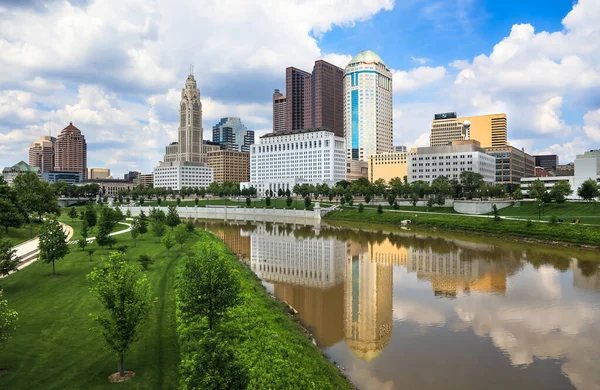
column 410, row 310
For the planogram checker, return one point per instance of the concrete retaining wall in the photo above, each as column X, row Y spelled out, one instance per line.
column 479, row 207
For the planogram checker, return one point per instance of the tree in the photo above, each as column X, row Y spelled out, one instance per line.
column 52, row 241
column 9, row 261
column 72, row 213
column 181, row 236
column 288, row 201
column 172, row 217
column 391, row 198
column 560, row 191
column 143, row 223
column 158, row 228
column 35, row 195
column 189, row 226
column 8, row 319
column 169, row 242
column 12, row 213
column 588, row 190
column 537, row 189
column 379, row 209
column 495, row 211
column 91, row 252
column 248, row 202
column 135, row 230
column 470, row 182
column 360, row 207
column 430, row 203
column 82, row 243
column 106, row 223
column 209, row 285
column 307, row 202
column 91, row 216
column 145, row 261
column 367, row 197
column 268, row 201
column 124, row 293
column 517, row 194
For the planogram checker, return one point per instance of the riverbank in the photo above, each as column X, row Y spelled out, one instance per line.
column 270, row 345
column 581, row 235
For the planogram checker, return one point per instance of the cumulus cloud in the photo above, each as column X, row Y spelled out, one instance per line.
column 592, row 125
column 420, row 60
column 407, row 81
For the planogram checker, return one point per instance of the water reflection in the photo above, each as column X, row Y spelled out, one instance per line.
column 410, row 311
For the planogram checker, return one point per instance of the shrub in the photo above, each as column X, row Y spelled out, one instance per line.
column 379, row 209
column 145, row 261
column 360, row 207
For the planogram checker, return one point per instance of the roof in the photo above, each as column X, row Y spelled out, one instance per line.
column 302, row 131
column 22, row 166
column 71, row 128
column 367, row 56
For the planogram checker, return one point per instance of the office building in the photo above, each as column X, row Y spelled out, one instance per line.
column 210, row 146
column 9, row 173
column 70, row 151
column 565, row 170
column 145, row 179
column 179, row 174
column 450, row 161
column 387, row 166
column 68, row 177
column 547, row 161
column 512, row 164
column 294, row 89
column 110, row 187
column 356, row 169
column 229, row 166
column 489, row 130
column 189, row 135
column 312, row 156
column 231, row 134
column 131, row 175
column 41, row 153
column 99, row 173
column 368, row 107
column 279, row 112
column 400, row 148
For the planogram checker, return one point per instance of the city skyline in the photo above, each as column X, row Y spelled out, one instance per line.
column 135, row 98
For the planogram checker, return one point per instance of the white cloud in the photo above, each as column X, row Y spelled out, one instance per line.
column 417, row 78
column 339, row 60
column 592, row 125
column 420, row 60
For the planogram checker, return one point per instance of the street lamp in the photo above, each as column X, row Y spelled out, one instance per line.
column 539, row 211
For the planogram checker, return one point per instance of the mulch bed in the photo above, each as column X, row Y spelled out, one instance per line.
column 116, row 378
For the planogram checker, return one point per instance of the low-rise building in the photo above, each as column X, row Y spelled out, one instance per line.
column 355, row 169
column 99, row 173
column 311, row 156
column 229, row 165
column 386, row 166
column 179, row 174
column 67, row 177
column 565, row 170
column 110, row 187
column 547, row 161
column 131, row 175
column 9, row 173
column 451, row 160
column 511, row 164
column 549, row 182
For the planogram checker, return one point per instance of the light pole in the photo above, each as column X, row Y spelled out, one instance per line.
column 539, row 211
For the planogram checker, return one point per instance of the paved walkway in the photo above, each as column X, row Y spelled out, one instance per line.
column 90, row 239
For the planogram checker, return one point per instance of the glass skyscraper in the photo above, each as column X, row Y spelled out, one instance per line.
column 233, row 135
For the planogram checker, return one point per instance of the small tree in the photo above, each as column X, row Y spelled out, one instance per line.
column 135, row 230
column 307, row 202
column 9, row 261
column 145, row 261
column 209, row 285
column 196, row 201
column 268, row 201
column 91, row 217
column 391, row 199
column 91, row 252
column 360, row 207
column 72, row 213
column 560, row 191
column 517, row 194
column 248, row 202
column 430, row 203
column 169, row 242
column 158, row 228
column 495, row 211
column 128, row 214
column 189, row 226
column 588, row 190
column 178, row 200
column 172, row 217
column 143, row 224
column 379, row 209
column 8, row 319
column 124, row 293
column 288, row 201
column 52, row 241
column 367, row 198
column 82, row 243
column 181, row 236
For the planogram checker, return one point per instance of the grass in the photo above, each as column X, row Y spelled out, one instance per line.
column 54, row 347
column 22, row 234
column 76, row 224
column 587, row 213
column 278, row 203
column 416, row 209
column 570, row 233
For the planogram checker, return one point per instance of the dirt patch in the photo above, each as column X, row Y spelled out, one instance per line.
column 116, row 378
column 3, row 372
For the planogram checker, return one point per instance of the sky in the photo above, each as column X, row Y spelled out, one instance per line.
column 115, row 68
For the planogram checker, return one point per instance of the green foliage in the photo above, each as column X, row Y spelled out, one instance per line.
column 495, row 211
column 248, row 202
column 288, row 201
column 36, row 195
column 12, row 213
column 181, row 235
column 124, row 293
column 91, row 216
column 553, row 219
column 9, row 261
column 307, row 202
column 145, row 261
column 169, row 242
column 470, row 182
column 172, row 219
column 430, row 203
column 143, row 223
column 189, row 226
column 379, row 209
column 588, row 190
column 135, row 230
column 537, row 189
column 52, row 241
column 268, row 201
column 517, row 194
column 8, row 319
column 391, row 198
column 360, row 207
column 106, row 223
column 158, row 228
column 82, row 243
column 72, row 213
column 560, row 191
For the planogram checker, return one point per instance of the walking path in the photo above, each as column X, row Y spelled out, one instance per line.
column 90, row 239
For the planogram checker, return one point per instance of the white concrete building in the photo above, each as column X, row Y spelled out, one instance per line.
column 313, row 156
column 178, row 174
column 368, row 107
column 450, row 161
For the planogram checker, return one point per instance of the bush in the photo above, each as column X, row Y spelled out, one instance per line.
column 379, row 209
column 360, row 207
column 145, row 261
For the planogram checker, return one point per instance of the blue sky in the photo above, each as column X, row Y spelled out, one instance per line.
column 116, row 67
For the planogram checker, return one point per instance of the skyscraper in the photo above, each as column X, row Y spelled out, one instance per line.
column 279, row 112
column 41, row 153
column 295, row 80
column 71, row 151
column 368, row 126
column 233, row 135
column 189, row 144
column 324, row 98
column 489, row 130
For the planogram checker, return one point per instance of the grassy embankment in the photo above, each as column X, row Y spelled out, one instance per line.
column 278, row 203
column 272, row 347
column 587, row 213
column 563, row 232
column 22, row 234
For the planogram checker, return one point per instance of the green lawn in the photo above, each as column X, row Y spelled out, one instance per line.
column 22, row 234
column 417, row 209
column 585, row 212
column 278, row 203
column 54, row 347
column 77, row 223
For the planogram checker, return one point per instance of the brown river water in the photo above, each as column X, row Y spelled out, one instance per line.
column 408, row 310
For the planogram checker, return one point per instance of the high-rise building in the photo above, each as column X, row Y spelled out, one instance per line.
column 546, row 161
column 41, row 153
column 99, row 173
column 179, row 174
column 489, row 130
column 231, row 134
column 295, row 90
column 279, row 112
column 70, row 151
column 189, row 144
column 324, row 98
column 368, row 126
column 229, row 165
